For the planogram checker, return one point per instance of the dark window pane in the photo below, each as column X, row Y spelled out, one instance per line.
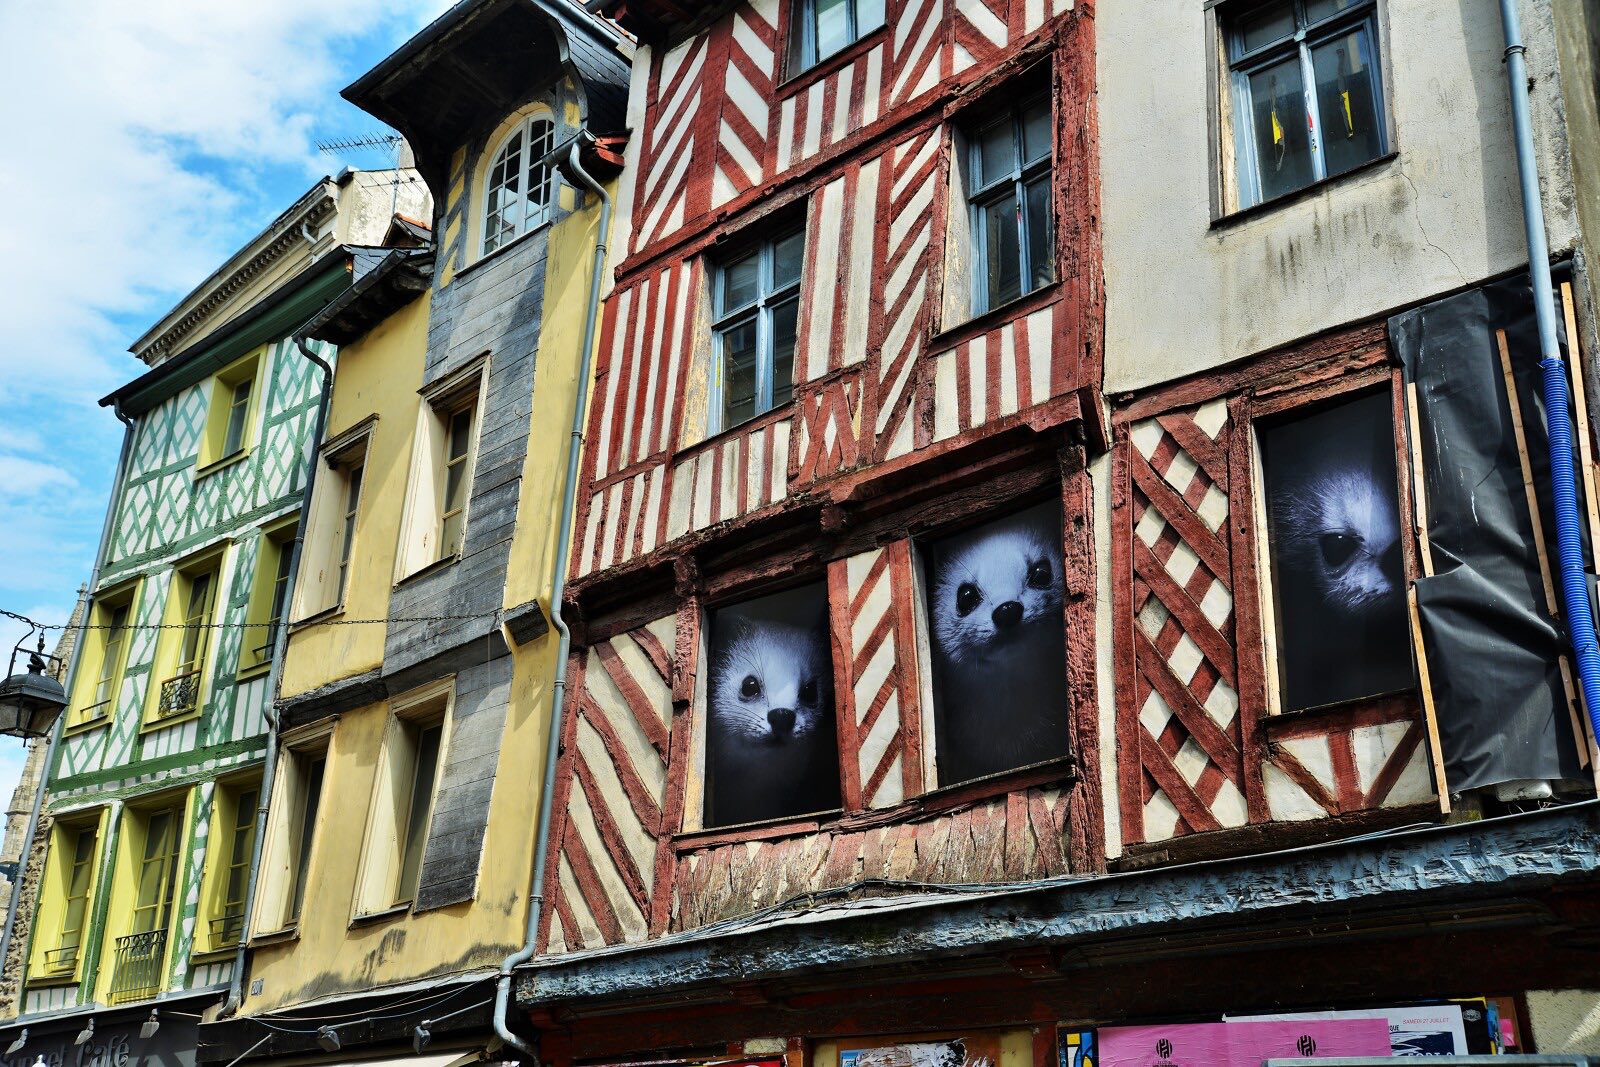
column 738, row 373
column 1278, row 114
column 1317, row 10
column 833, row 25
column 1270, row 24
column 1036, row 132
column 783, row 327
column 1338, row 582
column 1003, row 278
column 786, row 256
column 997, row 152
column 740, row 282
column 1041, row 234
column 1347, row 100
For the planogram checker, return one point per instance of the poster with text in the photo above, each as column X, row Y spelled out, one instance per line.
column 771, row 749
column 1429, row 1030
column 1333, row 517
column 997, row 636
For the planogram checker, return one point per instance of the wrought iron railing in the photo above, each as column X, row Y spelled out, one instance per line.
column 61, row 960
column 137, row 971
column 226, row 931
column 179, row 695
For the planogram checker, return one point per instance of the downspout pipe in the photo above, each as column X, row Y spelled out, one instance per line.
column 558, row 587
column 1563, row 478
column 112, row 507
column 280, row 643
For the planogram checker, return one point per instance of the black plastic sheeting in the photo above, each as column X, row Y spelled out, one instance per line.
column 1493, row 649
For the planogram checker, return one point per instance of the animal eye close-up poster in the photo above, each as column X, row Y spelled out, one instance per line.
column 997, row 635
column 771, row 746
column 1338, row 582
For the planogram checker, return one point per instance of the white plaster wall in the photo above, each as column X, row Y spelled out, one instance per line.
column 1565, row 1020
column 1184, row 295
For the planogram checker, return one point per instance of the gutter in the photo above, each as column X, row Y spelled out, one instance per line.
column 280, row 644
column 558, row 586
column 1579, row 611
column 112, row 507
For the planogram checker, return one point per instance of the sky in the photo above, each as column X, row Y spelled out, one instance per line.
column 144, row 144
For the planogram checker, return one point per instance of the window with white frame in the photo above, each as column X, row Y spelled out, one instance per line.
column 334, row 525
column 439, row 489
column 405, row 789
column 292, row 828
column 1305, row 91
column 1009, row 188
column 756, row 301
column 520, row 183
column 819, row 28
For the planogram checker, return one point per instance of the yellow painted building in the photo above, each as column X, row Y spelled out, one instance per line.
column 415, row 696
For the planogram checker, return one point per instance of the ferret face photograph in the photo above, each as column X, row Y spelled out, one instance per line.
column 997, row 636
column 771, row 747
column 1338, row 580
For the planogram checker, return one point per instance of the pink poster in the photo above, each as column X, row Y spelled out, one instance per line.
column 1240, row 1044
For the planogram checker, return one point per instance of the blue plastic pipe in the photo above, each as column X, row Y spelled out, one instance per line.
column 1563, row 478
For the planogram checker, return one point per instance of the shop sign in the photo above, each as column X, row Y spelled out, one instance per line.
column 1240, row 1044
column 114, row 1045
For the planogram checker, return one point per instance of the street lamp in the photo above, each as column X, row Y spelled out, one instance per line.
column 31, row 700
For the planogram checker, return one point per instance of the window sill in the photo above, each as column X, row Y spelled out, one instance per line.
column 1237, row 218
column 52, row 981
column 250, row 673
column 86, row 726
column 723, row 436
column 215, row 955
column 373, row 918
column 1010, row 311
column 803, row 80
column 275, row 937
column 1386, row 706
column 432, row 568
column 152, row 726
column 490, row 257
column 316, row 618
column 225, row 462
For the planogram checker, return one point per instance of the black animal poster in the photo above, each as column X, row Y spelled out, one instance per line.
column 997, row 636
column 771, row 749
column 1338, row 583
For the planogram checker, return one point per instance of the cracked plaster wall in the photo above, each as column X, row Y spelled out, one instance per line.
column 1184, row 295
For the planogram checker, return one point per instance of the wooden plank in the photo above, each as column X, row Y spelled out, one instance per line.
column 1580, row 403
column 1419, row 491
column 1429, row 716
column 1527, row 472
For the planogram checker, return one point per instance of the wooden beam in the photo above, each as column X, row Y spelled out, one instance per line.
column 1429, row 716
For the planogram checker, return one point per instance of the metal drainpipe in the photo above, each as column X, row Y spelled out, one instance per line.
column 119, row 484
column 558, row 586
column 280, row 642
column 1563, row 479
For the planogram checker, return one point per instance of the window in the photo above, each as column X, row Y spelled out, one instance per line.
column 228, row 423
column 995, row 597
column 228, row 859
column 1338, row 588
column 439, row 492
column 296, row 801
column 268, row 595
column 74, row 852
column 155, row 840
column 819, row 28
column 517, row 197
column 105, row 658
column 157, row 872
column 333, row 527
column 1286, row 136
column 402, row 808
column 181, row 657
column 772, row 750
column 757, row 301
column 1009, row 195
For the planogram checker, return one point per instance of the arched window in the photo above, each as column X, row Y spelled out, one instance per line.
column 518, row 195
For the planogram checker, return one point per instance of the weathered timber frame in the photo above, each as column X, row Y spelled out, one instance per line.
column 1209, row 423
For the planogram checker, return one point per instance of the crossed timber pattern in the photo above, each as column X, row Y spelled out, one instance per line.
column 611, row 787
column 1185, row 728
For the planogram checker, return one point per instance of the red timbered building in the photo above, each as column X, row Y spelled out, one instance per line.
column 907, row 670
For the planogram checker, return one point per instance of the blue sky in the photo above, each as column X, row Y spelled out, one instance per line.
column 145, row 143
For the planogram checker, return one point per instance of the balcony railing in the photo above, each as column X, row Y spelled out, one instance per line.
column 137, row 971
column 226, row 931
column 61, row 960
column 179, row 695
column 94, row 712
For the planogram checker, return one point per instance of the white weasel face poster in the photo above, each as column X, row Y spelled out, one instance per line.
column 771, row 746
column 1333, row 518
column 997, row 638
